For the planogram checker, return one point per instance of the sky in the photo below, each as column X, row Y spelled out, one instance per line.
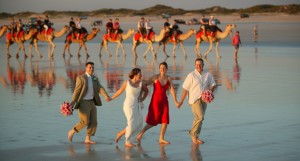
column 14, row 6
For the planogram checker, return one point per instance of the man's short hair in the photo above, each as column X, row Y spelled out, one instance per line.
column 91, row 63
column 199, row 59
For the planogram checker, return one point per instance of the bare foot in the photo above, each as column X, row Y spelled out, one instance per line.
column 89, row 142
column 162, row 141
column 198, row 141
column 128, row 144
column 70, row 135
column 138, row 138
column 118, row 137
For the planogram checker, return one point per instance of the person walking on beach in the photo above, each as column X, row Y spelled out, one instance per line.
column 236, row 42
column 158, row 112
column 136, row 92
column 85, row 98
column 195, row 83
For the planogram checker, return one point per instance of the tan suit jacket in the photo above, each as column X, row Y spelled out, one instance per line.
column 81, row 89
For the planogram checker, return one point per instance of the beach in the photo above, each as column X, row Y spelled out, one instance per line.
column 255, row 114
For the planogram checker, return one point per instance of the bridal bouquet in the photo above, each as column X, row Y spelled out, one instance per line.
column 207, row 96
column 66, row 109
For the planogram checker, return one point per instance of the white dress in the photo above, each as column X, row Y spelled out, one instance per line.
column 133, row 112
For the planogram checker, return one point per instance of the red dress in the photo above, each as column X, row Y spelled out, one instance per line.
column 158, row 111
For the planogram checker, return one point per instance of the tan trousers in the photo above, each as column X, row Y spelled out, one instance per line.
column 87, row 113
column 198, row 109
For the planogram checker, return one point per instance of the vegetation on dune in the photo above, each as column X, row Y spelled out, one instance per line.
column 159, row 9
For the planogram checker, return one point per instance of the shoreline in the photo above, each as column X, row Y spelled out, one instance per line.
column 257, row 17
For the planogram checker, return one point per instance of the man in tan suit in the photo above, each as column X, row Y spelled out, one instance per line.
column 85, row 98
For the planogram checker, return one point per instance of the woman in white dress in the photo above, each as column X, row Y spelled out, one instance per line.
column 136, row 92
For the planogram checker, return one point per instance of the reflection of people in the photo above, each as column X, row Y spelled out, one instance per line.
column 132, row 153
column 136, row 92
column 236, row 72
column 236, row 42
column 195, row 83
column 196, row 153
column 85, row 98
column 158, row 112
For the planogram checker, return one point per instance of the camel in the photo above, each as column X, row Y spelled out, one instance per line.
column 180, row 39
column 49, row 37
column 20, row 39
column 115, row 39
column 3, row 29
column 211, row 39
column 71, row 39
column 137, row 39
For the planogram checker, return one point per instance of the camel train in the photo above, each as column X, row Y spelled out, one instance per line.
column 162, row 39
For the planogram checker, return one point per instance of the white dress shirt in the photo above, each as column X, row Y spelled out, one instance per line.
column 195, row 83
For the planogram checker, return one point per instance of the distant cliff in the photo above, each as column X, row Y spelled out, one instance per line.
column 159, row 9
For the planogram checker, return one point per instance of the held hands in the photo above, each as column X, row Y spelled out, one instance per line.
column 178, row 104
column 108, row 99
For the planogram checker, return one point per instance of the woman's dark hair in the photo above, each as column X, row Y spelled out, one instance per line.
column 134, row 72
column 164, row 63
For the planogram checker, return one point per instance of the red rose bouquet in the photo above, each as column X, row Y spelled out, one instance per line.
column 207, row 96
column 66, row 109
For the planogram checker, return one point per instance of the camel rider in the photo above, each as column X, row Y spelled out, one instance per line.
column 204, row 24
column 212, row 24
column 19, row 27
column 109, row 26
column 80, row 29
column 141, row 26
column 174, row 28
column 46, row 24
column 72, row 25
column 39, row 24
column 166, row 24
column 116, row 26
column 12, row 26
column 148, row 27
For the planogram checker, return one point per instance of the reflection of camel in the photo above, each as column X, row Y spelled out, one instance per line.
column 44, row 78
column 71, row 39
column 48, row 37
column 16, row 77
column 115, row 39
column 3, row 30
column 20, row 39
column 211, row 39
column 73, row 71
column 180, row 39
column 153, row 38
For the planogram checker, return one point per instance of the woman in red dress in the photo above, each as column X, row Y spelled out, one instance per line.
column 158, row 112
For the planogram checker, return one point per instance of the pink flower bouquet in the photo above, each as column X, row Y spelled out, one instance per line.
column 66, row 109
column 207, row 96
